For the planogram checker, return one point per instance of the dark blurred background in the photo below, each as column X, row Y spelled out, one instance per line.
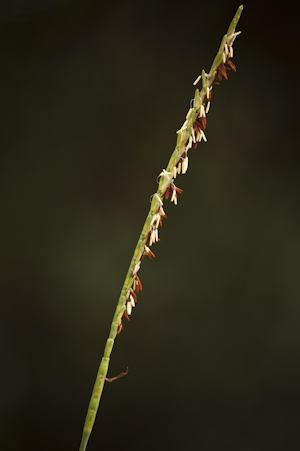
column 91, row 95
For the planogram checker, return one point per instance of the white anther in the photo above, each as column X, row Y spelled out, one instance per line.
column 173, row 196
column 129, row 308
column 197, row 80
column 165, row 173
column 157, row 220
column 158, row 199
column 183, row 127
column 136, row 268
column 132, row 301
column 189, row 144
column 167, row 178
column 185, row 165
column 203, row 135
column 193, row 135
column 224, row 57
column 162, row 211
column 152, row 220
column 207, row 107
column 188, row 113
column 232, row 37
column 152, row 238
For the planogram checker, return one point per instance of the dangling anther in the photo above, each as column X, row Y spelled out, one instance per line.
column 115, row 378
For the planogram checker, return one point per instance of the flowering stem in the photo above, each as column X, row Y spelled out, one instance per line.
column 188, row 136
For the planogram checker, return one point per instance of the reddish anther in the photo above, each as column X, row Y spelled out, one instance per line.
column 138, row 285
column 148, row 240
column 231, row 65
column 178, row 190
column 221, row 72
column 133, row 295
column 149, row 253
column 167, row 192
column 120, row 327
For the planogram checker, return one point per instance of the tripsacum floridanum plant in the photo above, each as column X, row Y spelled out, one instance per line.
column 189, row 135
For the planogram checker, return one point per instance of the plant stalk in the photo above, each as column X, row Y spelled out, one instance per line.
column 167, row 177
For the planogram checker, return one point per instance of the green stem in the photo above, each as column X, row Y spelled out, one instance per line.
column 164, row 182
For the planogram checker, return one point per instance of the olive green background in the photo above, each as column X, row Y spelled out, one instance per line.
column 91, row 96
